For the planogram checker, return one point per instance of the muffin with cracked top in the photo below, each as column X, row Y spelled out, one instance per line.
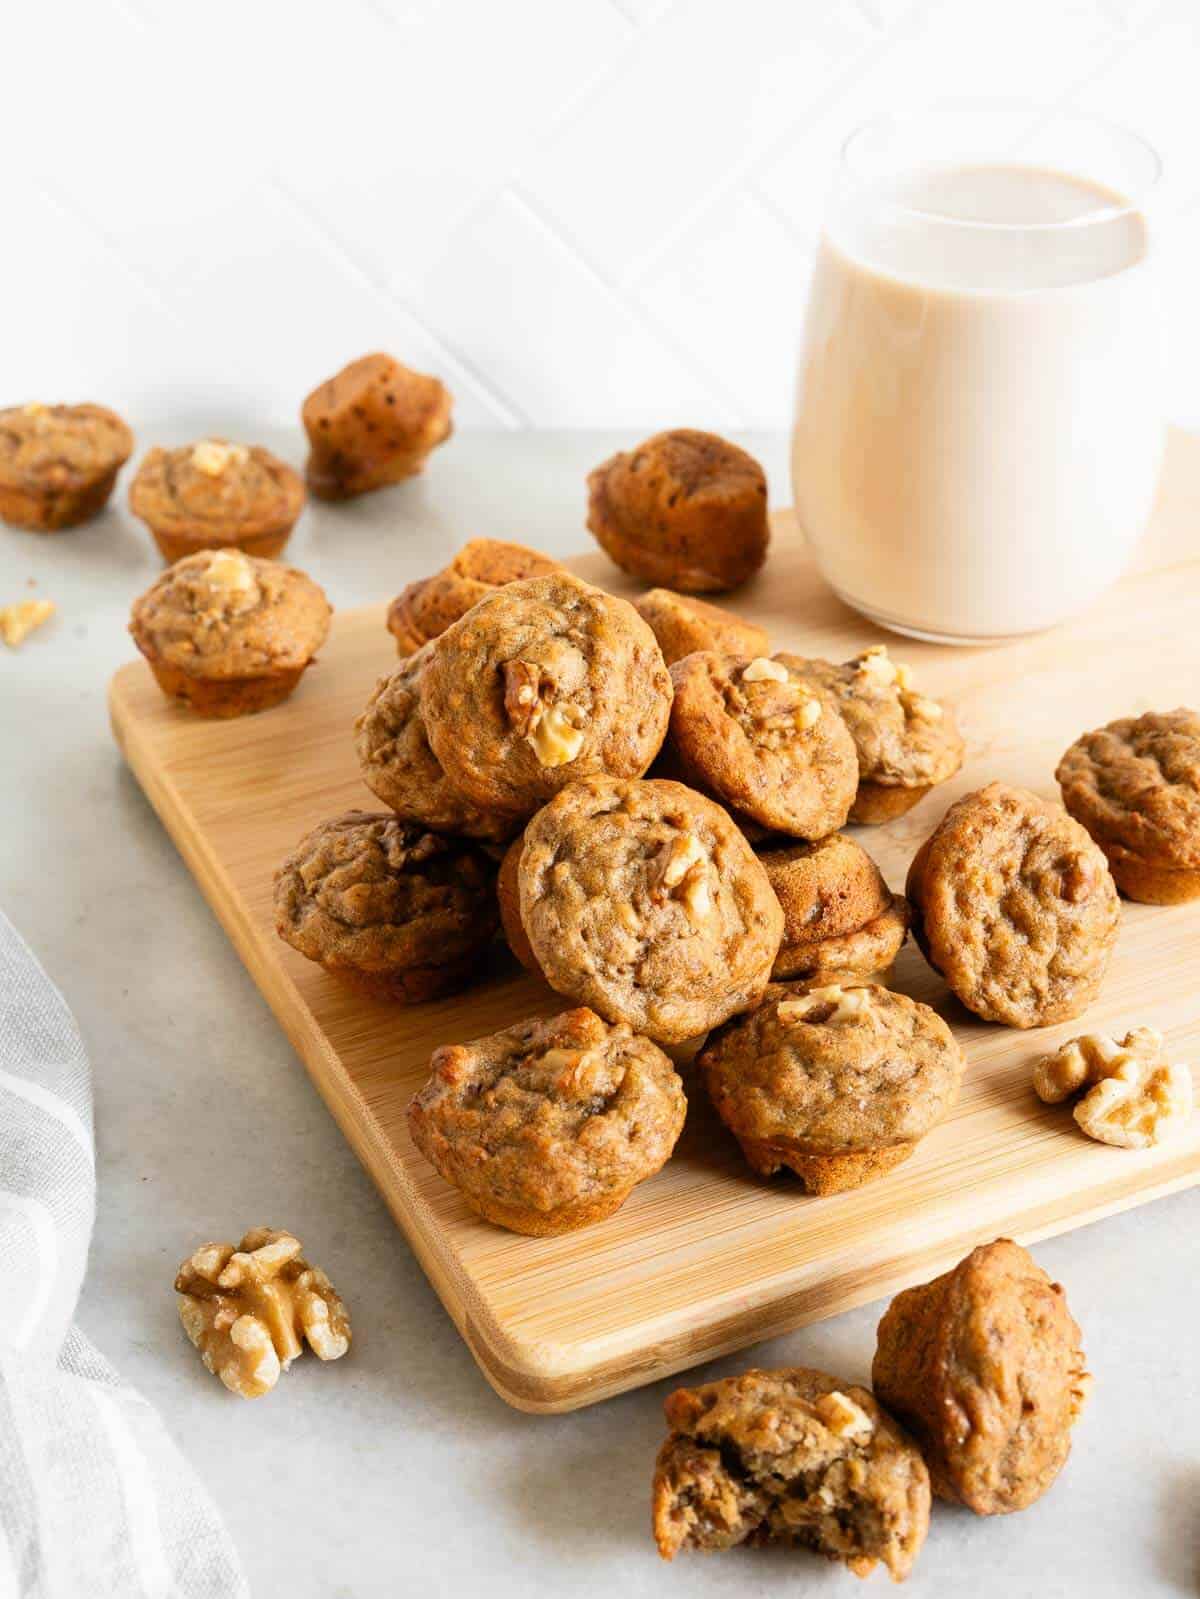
column 906, row 742
column 372, row 424
column 396, row 912
column 644, row 901
column 984, row 1365
column 541, row 683
column 215, row 495
column 791, row 1457
column 426, row 608
column 398, row 765
column 1014, row 905
column 761, row 739
column 227, row 634
column 836, row 1081
column 1135, row 786
column 685, row 509
column 549, row 1125
column 58, row 463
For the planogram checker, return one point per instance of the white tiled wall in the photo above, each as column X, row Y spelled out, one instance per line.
column 579, row 212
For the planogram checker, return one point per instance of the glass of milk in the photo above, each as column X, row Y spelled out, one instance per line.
column 979, row 420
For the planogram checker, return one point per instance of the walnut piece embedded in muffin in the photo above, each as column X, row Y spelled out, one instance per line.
column 682, row 623
column 215, row 495
column 984, row 1366
column 793, row 1457
column 398, row 765
column 396, row 912
column 550, row 1124
column 426, row 608
column 906, row 742
column 762, row 740
column 226, row 633
column 684, row 509
column 644, row 901
column 1135, row 786
column 58, row 463
column 839, row 916
column 837, row 1081
column 1013, row 904
column 371, row 425
column 541, row 683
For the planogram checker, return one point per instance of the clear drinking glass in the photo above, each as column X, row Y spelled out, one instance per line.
column 979, row 422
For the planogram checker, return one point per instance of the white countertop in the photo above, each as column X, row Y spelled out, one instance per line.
column 398, row 1470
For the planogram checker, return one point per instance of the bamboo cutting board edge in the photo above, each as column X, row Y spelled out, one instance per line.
column 531, row 1370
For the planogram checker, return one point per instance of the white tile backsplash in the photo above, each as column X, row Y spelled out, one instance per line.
column 579, row 212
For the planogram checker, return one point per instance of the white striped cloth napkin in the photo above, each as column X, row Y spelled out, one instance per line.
column 95, row 1500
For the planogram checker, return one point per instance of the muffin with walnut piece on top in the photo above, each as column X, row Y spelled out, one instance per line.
column 58, row 463
column 214, row 495
column 226, row 633
column 550, row 1124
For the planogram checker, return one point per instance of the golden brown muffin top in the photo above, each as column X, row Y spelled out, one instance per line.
column 52, row 447
column 984, row 1364
column 371, row 892
column 215, row 487
column 543, row 682
column 903, row 738
column 682, row 623
column 764, row 740
column 398, row 765
column 793, row 1457
column 643, row 900
column 225, row 614
column 833, row 1068
column 1136, row 784
column 1014, row 904
column 550, row 1112
column 827, row 889
column 685, row 508
column 427, row 608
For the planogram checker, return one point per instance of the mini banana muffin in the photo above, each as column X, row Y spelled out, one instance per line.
column 371, row 425
column 1135, row 786
column 1013, row 904
column 426, row 608
column 681, row 623
column 684, row 509
column 214, row 495
column 984, row 1365
column 227, row 634
column 399, row 767
column 792, row 1457
column 763, row 740
column 508, row 893
column 837, row 1081
column 550, row 1124
column 394, row 911
column 541, row 683
column 58, row 463
column 906, row 742
column 644, row 901
column 839, row 916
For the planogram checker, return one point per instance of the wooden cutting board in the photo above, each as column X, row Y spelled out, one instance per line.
column 704, row 1258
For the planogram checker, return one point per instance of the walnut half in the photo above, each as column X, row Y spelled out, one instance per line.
column 1134, row 1096
column 250, row 1310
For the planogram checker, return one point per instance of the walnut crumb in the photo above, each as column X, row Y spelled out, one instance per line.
column 214, row 456
column 18, row 621
column 250, row 1310
column 843, row 1417
column 1132, row 1096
